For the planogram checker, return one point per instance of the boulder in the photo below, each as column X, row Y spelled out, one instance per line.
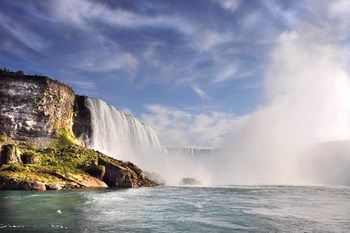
column 123, row 174
column 8, row 183
column 10, row 154
column 190, row 181
column 117, row 176
column 53, row 186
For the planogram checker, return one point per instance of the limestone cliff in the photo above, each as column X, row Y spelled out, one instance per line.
column 34, row 106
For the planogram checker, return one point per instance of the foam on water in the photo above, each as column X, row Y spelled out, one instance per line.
column 181, row 209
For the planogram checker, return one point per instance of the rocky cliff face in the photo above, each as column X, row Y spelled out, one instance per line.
column 34, row 106
column 82, row 128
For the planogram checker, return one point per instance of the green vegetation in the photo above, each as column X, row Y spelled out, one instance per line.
column 65, row 163
column 65, row 138
column 18, row 73
column 65, row 156
column 10, row 73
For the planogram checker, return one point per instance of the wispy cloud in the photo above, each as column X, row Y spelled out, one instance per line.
column 24, row 36
column 179, row 128
column 83, row 12
column 177, row 46
column 209, row 39
column 199, row 91
column 226, row 73
column 230, row 5
column 83, row 84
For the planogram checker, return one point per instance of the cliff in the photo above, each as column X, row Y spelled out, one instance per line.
column 40, row 121
column 82, row 128
column 34, row 107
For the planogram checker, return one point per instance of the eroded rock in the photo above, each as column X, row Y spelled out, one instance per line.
column 9, row 183
column 53, row 186
column 97, row 171
column 10, row 154
column 121, row 174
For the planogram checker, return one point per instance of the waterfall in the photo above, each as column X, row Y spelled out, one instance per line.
column 117, row 134
column 191, row 151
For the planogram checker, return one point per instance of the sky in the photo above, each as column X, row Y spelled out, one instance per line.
column 192, row 69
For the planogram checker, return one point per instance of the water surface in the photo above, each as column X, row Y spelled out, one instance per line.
column 178, row 209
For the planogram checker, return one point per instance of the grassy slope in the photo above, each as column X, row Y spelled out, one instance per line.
column 63, row 157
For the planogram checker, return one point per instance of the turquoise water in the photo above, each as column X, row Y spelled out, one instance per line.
column 178, row 209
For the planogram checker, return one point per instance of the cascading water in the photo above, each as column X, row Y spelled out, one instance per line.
column 117, row 134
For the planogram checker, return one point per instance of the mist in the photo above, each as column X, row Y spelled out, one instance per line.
column 307, row 94
column 284, row 141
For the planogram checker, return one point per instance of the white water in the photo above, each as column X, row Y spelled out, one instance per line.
column 119, row 135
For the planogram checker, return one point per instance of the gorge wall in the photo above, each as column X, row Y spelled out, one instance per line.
column 34, row 106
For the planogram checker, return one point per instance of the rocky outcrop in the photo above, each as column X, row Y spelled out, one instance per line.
column 10, row 154
column 34, row 106
column 9, row 183
column 80, row 181
column 97, row 171
column 63, row 166
column 121, row 174
column 189, row 181
column 82, row 128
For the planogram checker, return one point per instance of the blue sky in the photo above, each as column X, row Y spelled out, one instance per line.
column 202, row 57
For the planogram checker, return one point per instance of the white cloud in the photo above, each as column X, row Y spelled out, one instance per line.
column 130, row 61
column 19, row 32
column 227, row 72
column 82, row 12
column 209, row 39
column 199, row 91
column 179, row 128
column 85, row 15
column 84, row 84
column 107, row 60
column 230, row 5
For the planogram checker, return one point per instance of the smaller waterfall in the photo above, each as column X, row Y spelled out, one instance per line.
column 119, row 135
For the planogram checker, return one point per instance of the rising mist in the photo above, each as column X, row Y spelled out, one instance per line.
column 284, row 141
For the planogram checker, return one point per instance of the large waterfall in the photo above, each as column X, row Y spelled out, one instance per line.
column 117, row 134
